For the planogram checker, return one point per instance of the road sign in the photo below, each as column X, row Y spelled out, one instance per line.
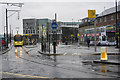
column 91, row 13
column 54, row 25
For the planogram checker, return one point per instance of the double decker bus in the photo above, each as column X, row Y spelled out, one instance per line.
column 104, row 35
column 18, row 41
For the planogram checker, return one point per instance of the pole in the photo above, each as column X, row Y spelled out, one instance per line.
column 6, row 29
column 42, row 40
column 10, row 34
column 116, row 26
column 79, row 35
column 54, row 41
column 48, row 36
column 95, row 35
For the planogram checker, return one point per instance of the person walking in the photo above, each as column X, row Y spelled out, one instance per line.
column 88, row 42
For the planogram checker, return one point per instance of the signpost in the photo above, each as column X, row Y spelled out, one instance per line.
column 92, row 14
column 119, row 34
column 54, row 27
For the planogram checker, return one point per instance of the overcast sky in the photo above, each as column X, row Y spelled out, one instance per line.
column 66, row 11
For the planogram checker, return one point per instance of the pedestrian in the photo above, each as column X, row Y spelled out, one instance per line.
column 57, row 41
column 88, row 42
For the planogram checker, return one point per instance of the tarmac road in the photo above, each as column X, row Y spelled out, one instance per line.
column 28, row 63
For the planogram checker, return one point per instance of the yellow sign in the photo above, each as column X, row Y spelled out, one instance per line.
column 91, row 13
column 78, row 35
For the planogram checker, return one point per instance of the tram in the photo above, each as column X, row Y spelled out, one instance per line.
column 18, row 41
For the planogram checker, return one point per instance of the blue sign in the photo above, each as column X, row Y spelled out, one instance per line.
column 54, row 25
column 118, row 24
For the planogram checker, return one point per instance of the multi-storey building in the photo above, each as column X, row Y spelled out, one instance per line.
column 29, row 26
column 106, row 18
column 69, row 31
column 85, row 24
column 41, row 28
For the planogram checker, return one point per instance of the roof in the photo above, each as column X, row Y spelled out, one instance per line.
column 109, row 11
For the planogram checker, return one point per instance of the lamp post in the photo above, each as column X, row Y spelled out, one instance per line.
column 6, row 29
column 116, row 25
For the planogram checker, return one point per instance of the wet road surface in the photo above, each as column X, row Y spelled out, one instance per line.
column 28, row 63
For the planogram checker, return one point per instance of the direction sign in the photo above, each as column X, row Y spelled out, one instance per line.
column 91, row 13
column 54, row 25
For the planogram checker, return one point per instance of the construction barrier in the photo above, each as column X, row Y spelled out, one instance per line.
column 104, row 54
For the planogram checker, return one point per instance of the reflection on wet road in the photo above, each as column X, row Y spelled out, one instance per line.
column 29, row 62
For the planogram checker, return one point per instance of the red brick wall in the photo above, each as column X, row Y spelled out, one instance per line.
column 108, row 20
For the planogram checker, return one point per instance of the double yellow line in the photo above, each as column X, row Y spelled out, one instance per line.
column 21, row 75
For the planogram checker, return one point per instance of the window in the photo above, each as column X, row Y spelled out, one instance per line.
column 96, row 21
column 100, row 20
column 117, row 16
column 111, row 17
column 29, row 31
column 85, row 20
column 26, row 31
column 105, row 19
column 102, row 29
column 103, row 38
column 33, row 31
column 89, row 20
column 18, row 38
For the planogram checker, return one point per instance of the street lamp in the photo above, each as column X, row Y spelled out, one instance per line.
column 116, row 25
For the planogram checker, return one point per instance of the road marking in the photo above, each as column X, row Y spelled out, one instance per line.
column 65, row 53
column 21, row 75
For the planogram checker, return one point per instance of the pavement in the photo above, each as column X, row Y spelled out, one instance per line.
column 84, row 50
column 73, row 62
column 6, row 50
column 90, row 50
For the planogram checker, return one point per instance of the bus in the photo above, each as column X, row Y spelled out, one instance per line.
column 18, row 41
column 105, row 35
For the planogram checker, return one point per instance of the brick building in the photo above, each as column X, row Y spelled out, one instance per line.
column 106, row 18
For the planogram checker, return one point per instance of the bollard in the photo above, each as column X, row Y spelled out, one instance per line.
column 103, row 54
